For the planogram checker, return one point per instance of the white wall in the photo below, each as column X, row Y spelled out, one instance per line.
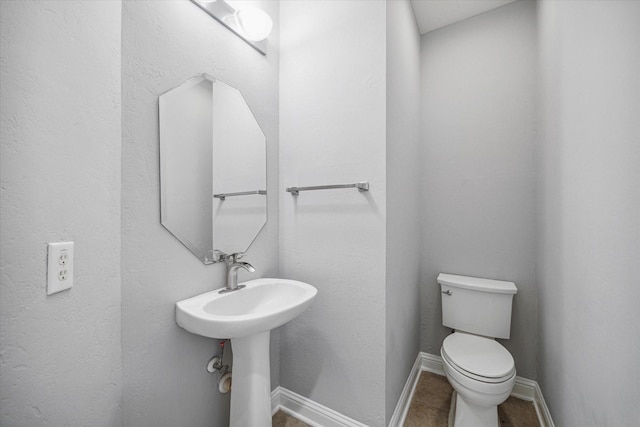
column 478, row 139
column 60, row 180
column 332, row 131
column 403, row 250
column 589, row 212
column 164, row 44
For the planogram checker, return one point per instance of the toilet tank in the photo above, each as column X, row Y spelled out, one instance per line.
column 475, row 305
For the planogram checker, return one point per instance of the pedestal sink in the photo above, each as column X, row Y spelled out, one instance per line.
column 247, row 316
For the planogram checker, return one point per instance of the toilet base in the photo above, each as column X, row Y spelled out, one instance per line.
column 464, row 414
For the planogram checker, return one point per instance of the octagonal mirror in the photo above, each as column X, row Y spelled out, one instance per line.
column 213, row 177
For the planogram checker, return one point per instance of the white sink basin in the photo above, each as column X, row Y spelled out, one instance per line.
column 264, row 304
column 247, row 316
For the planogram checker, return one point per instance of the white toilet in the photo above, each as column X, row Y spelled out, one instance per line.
column 480, row 370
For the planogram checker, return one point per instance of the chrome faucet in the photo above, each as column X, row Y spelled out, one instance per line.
column 233, row 265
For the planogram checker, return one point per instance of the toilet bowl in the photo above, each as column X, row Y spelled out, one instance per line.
column 482, row 373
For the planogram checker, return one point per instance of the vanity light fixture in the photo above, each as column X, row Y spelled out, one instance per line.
column 251, row 24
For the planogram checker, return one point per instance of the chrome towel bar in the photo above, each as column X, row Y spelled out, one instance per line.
column 223, row 196
column 361, row 186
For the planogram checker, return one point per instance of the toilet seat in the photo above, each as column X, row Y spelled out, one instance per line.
column 478, row 358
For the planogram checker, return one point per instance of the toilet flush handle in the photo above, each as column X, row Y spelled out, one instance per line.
column 448, row 292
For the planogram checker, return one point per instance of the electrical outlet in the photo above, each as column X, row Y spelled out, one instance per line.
column 59, row 267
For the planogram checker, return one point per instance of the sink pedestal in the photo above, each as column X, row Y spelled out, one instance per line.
column 251, row 386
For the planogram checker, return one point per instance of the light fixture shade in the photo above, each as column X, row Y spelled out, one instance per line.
column 255, row 24
column 252, row 25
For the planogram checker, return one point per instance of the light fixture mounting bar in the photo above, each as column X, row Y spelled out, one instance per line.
column 224, row 14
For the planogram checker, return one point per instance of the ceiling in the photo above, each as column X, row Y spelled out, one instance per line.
column 434, row 14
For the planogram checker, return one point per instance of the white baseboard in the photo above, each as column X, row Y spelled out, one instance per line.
column 431, row 363
column 402, row 407
column 308, row 411
column 524, row 389
column 541, row 408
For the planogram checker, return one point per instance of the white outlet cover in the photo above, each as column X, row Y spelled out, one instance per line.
column 59, row 267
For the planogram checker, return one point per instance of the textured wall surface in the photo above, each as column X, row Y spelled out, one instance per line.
column 589, row 215
column 60, row 181
column 403, row 252
column 478, row 139
column 164, row 44
column 332, row 131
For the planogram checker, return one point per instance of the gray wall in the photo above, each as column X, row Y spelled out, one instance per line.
column 589, row 215
column 164, row 44
column 60, row 180
column 403, row 252
column 478, row 135
column 332, row 130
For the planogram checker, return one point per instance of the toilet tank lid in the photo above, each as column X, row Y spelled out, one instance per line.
column 477, row 284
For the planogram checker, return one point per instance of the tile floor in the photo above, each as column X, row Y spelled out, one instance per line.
column 430, row 407
column 280, row 419
column 432, row 400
